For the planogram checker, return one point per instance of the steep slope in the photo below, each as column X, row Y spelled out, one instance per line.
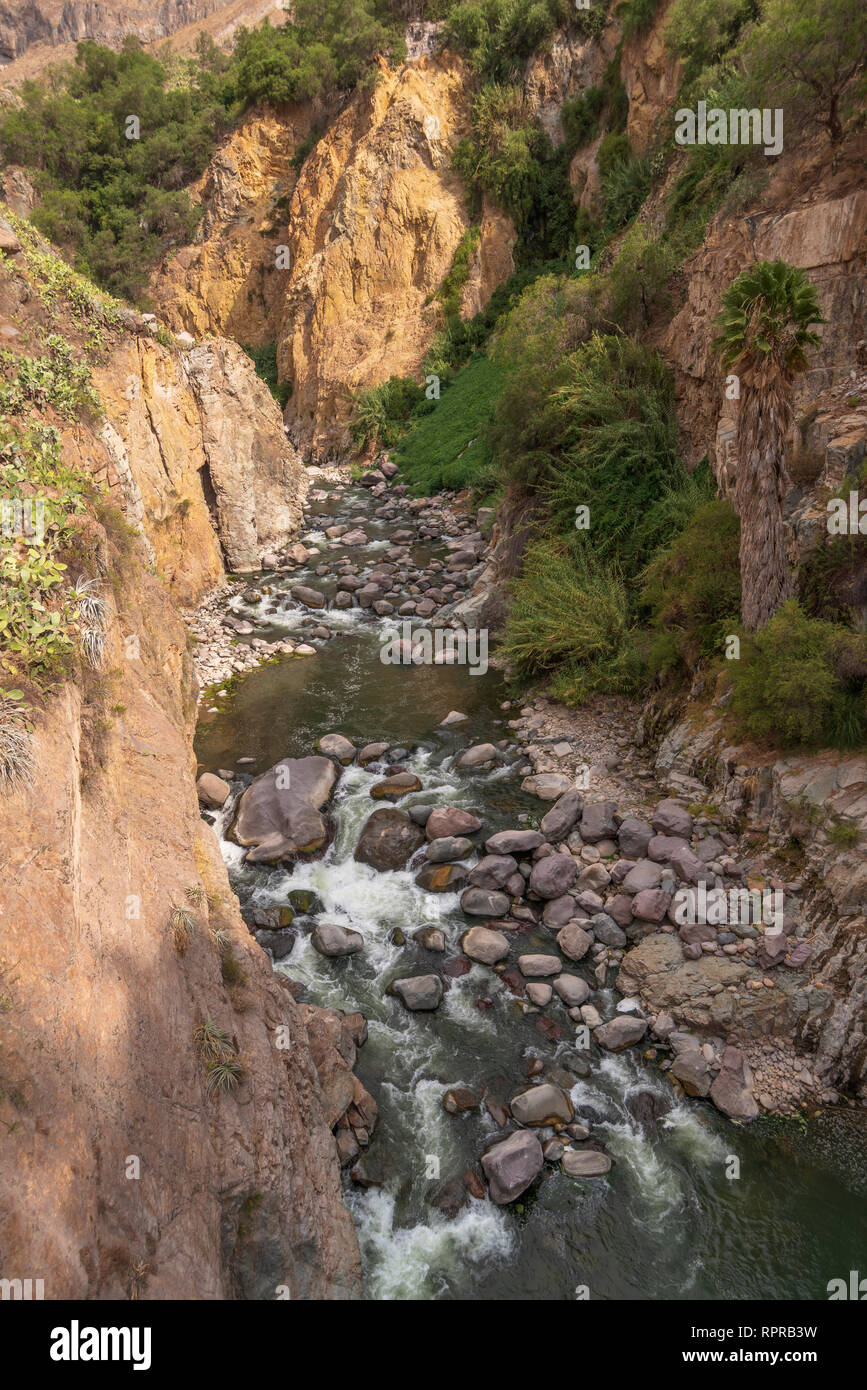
column 126, row 1173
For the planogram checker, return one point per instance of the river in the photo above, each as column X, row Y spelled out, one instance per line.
column 669, row 1221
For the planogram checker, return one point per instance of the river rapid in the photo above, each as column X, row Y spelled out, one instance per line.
column 670, row 1221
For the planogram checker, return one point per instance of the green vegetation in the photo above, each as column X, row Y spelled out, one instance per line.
column 498, row 36
column 381, row 414
column 265, row 362
column 448, row 445
column 802, row 680
column 112, row 194
column 449, row 292
column 215, row 1050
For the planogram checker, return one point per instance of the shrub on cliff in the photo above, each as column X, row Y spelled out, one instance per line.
column 802, row 682
column 692, row 589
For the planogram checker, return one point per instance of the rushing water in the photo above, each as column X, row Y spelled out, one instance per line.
column 667, row 1222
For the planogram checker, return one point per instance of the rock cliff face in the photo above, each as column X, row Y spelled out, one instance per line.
column 371, row 223
column 125, row 1174
column 195, row 442
column 106, row 21
column 122, row 1176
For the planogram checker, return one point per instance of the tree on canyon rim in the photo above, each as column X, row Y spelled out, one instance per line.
column 765, row 326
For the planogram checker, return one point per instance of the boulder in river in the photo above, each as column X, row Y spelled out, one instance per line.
column 393, row 788
column 732, row 1091
column 620, row 1032
column 585, row 1163
column 448, row 848
column 336, row 746
column 442, row 878
column 542, row 1105
column 512, row 1165
column 420, row 993
column 279, row 815
column 514, row 842
column 535, row 966
column 478, row 756
column 389, row 839
column 331, row 939
column 494, row 871
column 692, row 1071
column 572, row 990
column 574, row 941
column 451, row 820
column 213, row 791
column 481, row 902
column 484, row 945
column 310, row 598
column 372, row 752
column 454, row 716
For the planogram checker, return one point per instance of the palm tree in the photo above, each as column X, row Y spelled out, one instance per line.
column 765, row 322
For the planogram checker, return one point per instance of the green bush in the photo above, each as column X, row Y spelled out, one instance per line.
column 579, row 116
column 447, row 445
column 801, row 682
column 636, row 16
column 265, row 362
column 620, row 453
column 569, row 612
column 624, row 189
column 381, row 413
column 638, row 282
column 499, row 35
column 692, row 589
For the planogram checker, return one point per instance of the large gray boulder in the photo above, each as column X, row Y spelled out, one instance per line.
column 553, row 876
column 542, row 1105
column 336, row 746
column 213, row 791
column 511, row 1165
column 690, row 1068
column 331, row 939
column 536, row 966
column 484, row 945
column 481, row 902
column 279, row 815
column 494, row 871
column 514, row 842
column 620, row 1032
column 597, row 821
column 585, row 1163
column 634, row 836
column 645, row 874
column 389, row 839
column 670, row 818
column 561, row 818
column 732, row 1091
column 451, row 820
column 572, row 990
column 420, row 993
column 574, row 941
column 478, row 756
column 448, row 848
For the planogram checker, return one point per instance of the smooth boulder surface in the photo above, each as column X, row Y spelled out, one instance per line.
column 279, row 813
column 512, row 1165
column 330, row 939
column 478, row 756
column 585, row 1163
column 442, row 878
column 213, row 791
column 732, row 1091
column 670, row 818
column 451, row 820
column 448, row 848
column 542, row 1105
column 514, row 842
column 634, row 836
column 692, row 1071
column 481, row 902
column 484, row 945
column 389, row 839
column 574, row 941
column 553, row 876
column 561, row 818
column 620, row 1032
column 393, row 788
column 597, row 821
column 420, row 993
column 572, row 990
column 536, row 966
column 494, row 871
column 336, row 746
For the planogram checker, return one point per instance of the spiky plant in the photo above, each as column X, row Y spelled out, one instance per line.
column 92, row 612
column 765, row 327
column 182, row 921
column 17, row 761
column 212, row 1042
column 195, row 895
column 224, row 1075
column 221, row 939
